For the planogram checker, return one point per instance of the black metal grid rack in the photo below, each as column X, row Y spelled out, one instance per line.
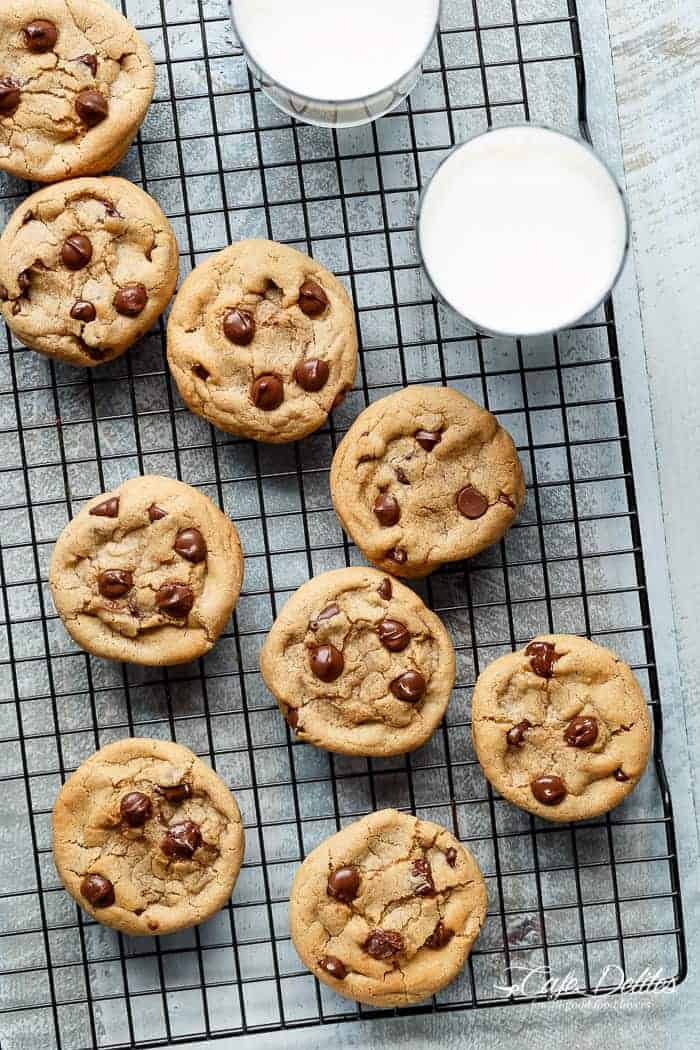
column 223, row 163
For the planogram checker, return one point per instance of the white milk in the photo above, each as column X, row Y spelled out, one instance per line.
column 336, row 51
column 523, row 230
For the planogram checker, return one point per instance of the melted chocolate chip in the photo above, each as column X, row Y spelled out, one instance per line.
column 383, row 944
column 267, row 392
column 108, row 509
column 155, row 513
column 471, row 503
column 9, row 96
column 440, row 936
column 130, row 300
column 581, row 731
column 40, row 36
column 516, row 735
column 542, row 657
column 91, row 106
column 292, row 717
column 98, row 891
column 549, row 790
column 402, row 476
column 114, row 583
column 451, row 856
column 385, row 589
column 386, row 509
column 76, row 252
column 84, row 311
column 333, row 967
column 175, row 599
column 90, row 61
column 326, row 662
column 4, row 294
column 175, row 793
column 136, row 808
column 312, row 375
column 422, row 871
column 312, row 299
column 620, row 776
column 393, row 635
column 239, row 327
column 182, row 840
column 428, row 439
column 191, row 545
column 344, row 883
column 409, row 687
column 201, row 372
column 397, row 555
column 507, row 500
column 328, row 613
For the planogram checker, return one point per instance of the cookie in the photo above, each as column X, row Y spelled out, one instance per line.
column 561, row 728
column 86, row 268
column 148, row 573
column 262, row 342
column 359, row 665
column 423, row 477
column 147, row 838
column 75, row 83
column 386, row 911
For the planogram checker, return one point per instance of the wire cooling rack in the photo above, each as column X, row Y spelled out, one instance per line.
column 589, row 903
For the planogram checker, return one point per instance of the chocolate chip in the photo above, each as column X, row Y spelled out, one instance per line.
column 383, row 944
column 174, row 599
column 397, row 555
column 292, row 717
column 98, row 891
column 422, row 871
column 581, row 731
column 239, row 327
column 201, row 372
column 394, row 635
column 402, row 476
column 4, row 294
column 130, row 300
column 333, row 967
column 155, row 513
column 451, row 856
column 40, row 35
column 326, row 662
column 385, row 589
column 516, row 735
column 108, row 509
column 440, row 936
column 82, row 310
column 409, row 687
column 24, row 279
column 312, row 375
column 114, row 583
column 344, row 883
column 386, row 509
column 267, row 392
column 182, row 840
column 328, row 613
column 542, row 656
column 428, row 439
column 312, row 299
column 471, row 503
column 507, row 500
column 76, row 252
column 9, row 96
column 175, row 793
column 620, row 776
column 191, row 545
column 90, row 61
column 91, row 106
column 549, row 790
column 136, row 808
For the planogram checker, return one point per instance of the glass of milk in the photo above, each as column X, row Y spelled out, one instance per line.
column 523, row 230
column 337, row 63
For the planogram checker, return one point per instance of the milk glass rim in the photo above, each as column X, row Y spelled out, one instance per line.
column 495, row 333
column 263, row 75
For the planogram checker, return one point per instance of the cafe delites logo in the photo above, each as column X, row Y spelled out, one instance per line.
column 524, row 981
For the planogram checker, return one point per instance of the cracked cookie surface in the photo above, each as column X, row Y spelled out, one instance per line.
column 76, row 80
column 147, row 838
column 86, row 268
column 262, row 341
column 561, row 728
column 423, row 477
column 148, row 573
column 387, row 910
column 359, row 665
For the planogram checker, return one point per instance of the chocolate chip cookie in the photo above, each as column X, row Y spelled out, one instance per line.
column 75, row 83
column 561, row 728
column 359, row 665
column 86, row 268
column 147, row 838
column 387, row 911
column 423, row 477
column 262, row 342
column 148, row 573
